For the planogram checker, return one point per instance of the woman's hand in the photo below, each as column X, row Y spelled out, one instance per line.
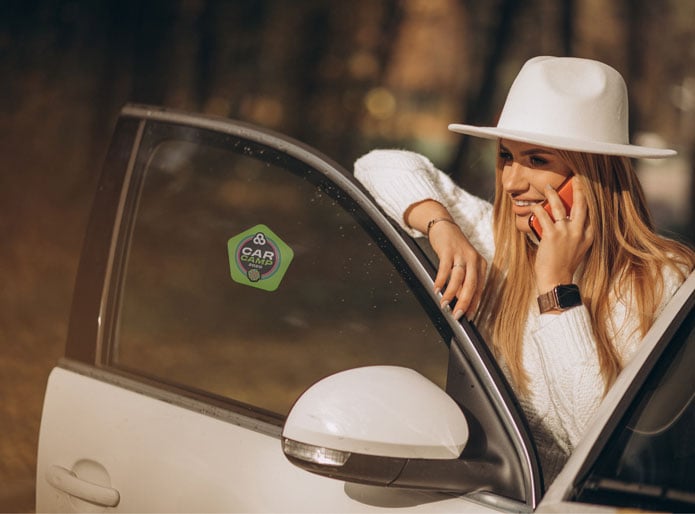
column 462, row 269
column 565, row 242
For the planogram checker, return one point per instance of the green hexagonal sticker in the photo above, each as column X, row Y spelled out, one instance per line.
column 259, row 258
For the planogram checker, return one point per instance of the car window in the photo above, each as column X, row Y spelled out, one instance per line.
column 648, row 462
column 247, row 274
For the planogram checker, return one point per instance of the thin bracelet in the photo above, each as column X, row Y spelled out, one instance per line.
column 437, row 220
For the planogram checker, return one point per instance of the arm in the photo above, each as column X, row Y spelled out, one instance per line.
column 414, row 193
column 399, row 179
column 573, row 375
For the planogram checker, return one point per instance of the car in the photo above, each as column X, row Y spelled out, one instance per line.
column 250, row 332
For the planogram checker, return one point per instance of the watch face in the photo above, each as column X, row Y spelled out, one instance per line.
column 568, row 296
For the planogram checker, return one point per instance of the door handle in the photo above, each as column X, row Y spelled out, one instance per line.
column 66, row 481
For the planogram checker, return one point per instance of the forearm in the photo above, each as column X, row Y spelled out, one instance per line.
column 397, row 180
column 412, row 191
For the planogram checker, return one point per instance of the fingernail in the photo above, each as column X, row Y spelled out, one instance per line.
column 549, row 187
column 445, row 306
column 458, row 314
column 437, row 290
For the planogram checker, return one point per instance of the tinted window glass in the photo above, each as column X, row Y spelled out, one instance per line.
column 649, row 461
column 254, row 278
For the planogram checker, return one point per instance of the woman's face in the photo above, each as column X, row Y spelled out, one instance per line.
column 526, row 171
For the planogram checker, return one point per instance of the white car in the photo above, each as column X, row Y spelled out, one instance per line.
column 249, row 332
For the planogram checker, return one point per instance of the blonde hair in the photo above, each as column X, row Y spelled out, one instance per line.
column 626, row 257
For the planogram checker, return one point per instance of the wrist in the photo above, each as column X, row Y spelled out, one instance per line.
column 418, row 214
column 431, row 223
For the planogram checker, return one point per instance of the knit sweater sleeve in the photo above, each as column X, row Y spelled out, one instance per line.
column 567, row 349
column 569, row 361
column 397, row 179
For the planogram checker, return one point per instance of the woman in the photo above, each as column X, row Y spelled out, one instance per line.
column 564, row 314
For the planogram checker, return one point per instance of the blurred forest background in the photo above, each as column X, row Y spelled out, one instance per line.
column 342, row 76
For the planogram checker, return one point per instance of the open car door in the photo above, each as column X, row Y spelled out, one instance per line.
column 225, row 270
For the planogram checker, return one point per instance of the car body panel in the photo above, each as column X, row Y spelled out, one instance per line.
column 163, row 457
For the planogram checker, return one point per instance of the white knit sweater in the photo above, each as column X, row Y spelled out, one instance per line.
column 559, row 350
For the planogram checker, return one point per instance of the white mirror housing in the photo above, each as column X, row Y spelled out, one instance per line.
column 385, row 411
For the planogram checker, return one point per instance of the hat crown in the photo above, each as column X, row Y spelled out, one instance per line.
column 568, row 97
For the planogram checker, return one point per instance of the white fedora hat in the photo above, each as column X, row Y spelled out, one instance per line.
column 567, row 103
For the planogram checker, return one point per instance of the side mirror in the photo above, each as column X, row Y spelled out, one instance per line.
column 381, row 425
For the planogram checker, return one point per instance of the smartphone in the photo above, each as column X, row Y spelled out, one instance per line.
column 565, row 192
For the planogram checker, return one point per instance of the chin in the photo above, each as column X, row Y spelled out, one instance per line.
column 522, row 225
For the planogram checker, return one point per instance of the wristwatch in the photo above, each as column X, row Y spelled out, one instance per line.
column 560, row 298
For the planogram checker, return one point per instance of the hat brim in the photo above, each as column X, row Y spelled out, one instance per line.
column 564, row 143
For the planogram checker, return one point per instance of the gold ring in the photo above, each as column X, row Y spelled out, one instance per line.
column 459, row 266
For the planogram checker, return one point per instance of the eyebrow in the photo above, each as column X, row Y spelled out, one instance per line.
column 531, row 151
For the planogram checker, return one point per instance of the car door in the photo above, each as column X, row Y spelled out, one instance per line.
column 225, row 269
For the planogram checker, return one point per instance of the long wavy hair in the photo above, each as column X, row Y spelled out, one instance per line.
column 626, row 257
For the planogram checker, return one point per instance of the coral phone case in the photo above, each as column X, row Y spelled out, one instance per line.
column 565, row 192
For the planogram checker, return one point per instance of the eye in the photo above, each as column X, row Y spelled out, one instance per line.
column 505, row 155
column 538, row 161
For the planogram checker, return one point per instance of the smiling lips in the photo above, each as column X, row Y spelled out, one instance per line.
column 522, row 207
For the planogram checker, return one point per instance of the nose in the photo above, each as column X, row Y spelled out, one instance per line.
column 514, row 178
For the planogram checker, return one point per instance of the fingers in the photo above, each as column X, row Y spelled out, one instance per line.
column 557, row 208
column 454, row 276
column 478, row 293
column 465, row 284
column 544, row 219
column 461, row 271
column 443, row 272
column 470, row 292
column 579, row 208
column 562, row 221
